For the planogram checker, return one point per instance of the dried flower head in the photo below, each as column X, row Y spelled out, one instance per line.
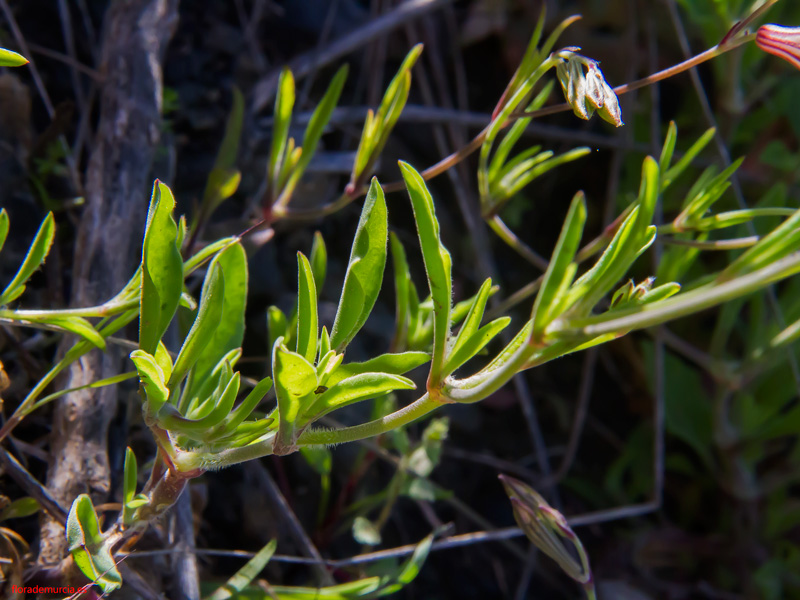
column 586, row 91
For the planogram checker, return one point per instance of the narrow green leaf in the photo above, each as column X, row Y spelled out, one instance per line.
column 19, row 508
column 781, row 241
column 365, row 145
column 205, row 324
column 164, row 360
column 322, row 114
column 229, row 332
column 437, row 263
column 277, row 325
column 557, row 273
column 153, row 380
column 162, row 270
column 221, row 185
column 245, row 408
column 675, row 171
column 129, row 480
column 246, row 574
column 355, row 389
column 37, row 252
column 83, row 528
column 668, row 149
column 402, row 281
column 86, row 545
column 396, row 364
column 378, row 126
column 319, row 260
column 307, row 319
column 247, row 433
column 8, row 58
column 662, row 292
column 204, row 420
column 77, row 325
column 295, row 379
column 280, row 128
column 211, row 384
column 364, row 275
column 471, row 323
column 316, row 127
column 324, row 343
column 476, row 342
column 4, row 222
column 328, row 363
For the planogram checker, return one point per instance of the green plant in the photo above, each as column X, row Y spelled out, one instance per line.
column 189, row 398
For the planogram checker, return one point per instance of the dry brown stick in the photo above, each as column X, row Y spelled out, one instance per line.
column 135, row 36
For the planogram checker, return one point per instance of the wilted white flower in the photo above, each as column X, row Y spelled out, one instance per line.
column 586, row 91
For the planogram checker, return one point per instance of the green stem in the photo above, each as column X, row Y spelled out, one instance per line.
column 417, row 409
column 104, row 310
column 486, row 382
column 731, row 244
column 680, row 305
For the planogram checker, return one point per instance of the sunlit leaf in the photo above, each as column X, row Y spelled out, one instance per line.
column 37, row 252
column 364, row 275
column 162, row 270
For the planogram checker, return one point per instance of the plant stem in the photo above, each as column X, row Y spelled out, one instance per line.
column 680, row 305
column 456, row 157
column 419, row 408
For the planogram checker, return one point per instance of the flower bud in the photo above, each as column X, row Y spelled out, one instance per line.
column 547, row 529
column 783, row 42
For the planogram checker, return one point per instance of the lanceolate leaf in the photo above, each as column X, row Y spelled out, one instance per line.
column 246, row 407
column 402, row 281
column 3, row 227
column 205, row 324
column 558, row 272
column 33, row 260
column 9, row 58
column 316, row 126
column 276, row 324
column 153, row 380
column 675, row 171
column 130, row 473
column 396, row 364
column 85, row 542
column 476, row 342
column 228, row 333
column 162, row 270
column 246, row 574
column 280, row 130
column 77, row 325
column 322, row 114
column 295, row 380
column 355, row 389
column 364, row 275
column 437, row 263
column 466, row 336
column 307, row 325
